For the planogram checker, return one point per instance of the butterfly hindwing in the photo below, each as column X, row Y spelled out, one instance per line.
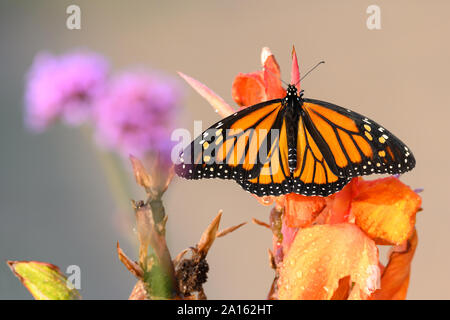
column 313, row 175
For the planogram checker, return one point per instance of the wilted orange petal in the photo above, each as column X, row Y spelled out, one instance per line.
column 322, row 255
column 248, row 89
column 343, row 289
column 300, row 210
column 219, row 105
column 395, row 277
column 386, row 210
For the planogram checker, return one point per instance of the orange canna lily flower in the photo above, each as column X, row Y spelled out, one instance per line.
column 326, row 247
column 344, row 227
column 380, row 211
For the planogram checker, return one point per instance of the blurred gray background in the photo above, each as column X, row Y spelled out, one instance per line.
column 55, row 203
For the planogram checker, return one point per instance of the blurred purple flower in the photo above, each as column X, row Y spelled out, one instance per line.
column 63, row 87
column 136, row 115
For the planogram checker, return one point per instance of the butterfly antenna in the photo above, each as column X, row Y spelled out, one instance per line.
column 284, row 82
column 276, row 76
column 310, row 70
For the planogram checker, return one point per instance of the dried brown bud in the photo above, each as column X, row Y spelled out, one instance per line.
column 208, row 236
column 132, row 266
column 140, row 173
column 229, row 230
column 261, row 223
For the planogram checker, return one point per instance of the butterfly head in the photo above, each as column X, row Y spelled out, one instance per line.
column 291, row 91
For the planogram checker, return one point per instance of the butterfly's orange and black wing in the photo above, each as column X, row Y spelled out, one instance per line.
column 335, row 144
column 274, row 177
column 233, row 148
column 316, row 171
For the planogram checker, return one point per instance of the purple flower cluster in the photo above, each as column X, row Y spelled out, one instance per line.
column 63, row 88
column 136, row 115
column 132, row 113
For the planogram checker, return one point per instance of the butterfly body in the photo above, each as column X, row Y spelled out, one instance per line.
column 292, row 106
column 299, row 145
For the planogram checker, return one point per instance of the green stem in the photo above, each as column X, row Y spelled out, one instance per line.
column 114, row 172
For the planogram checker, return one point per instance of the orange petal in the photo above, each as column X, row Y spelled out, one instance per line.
column 295, row 72
column 395, row 277
column 343, row 289
column 300, row 210
column 265, row 200
column 341, row 202
column 321, row 256
column 386, row 210
column 219, row 105
column 248, row 89
column 272, row 76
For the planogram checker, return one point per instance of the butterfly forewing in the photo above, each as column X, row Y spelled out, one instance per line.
column 233, row 147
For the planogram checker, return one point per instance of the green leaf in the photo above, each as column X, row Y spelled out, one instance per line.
column 44, row 280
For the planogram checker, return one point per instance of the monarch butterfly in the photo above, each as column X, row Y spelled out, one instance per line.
column 294, row 144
